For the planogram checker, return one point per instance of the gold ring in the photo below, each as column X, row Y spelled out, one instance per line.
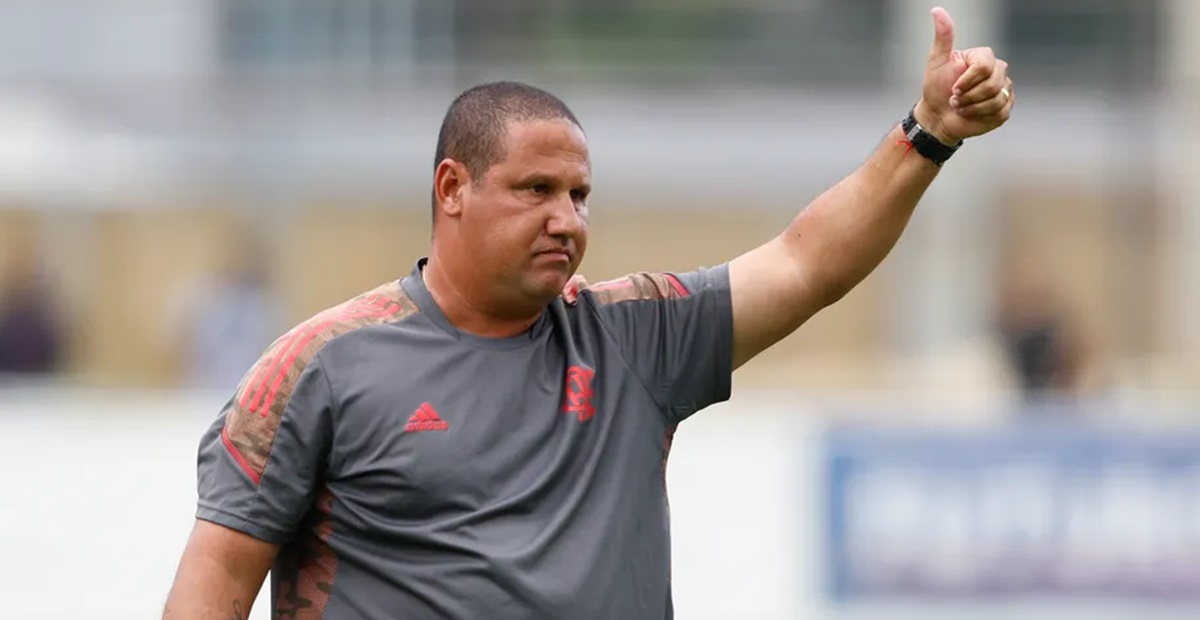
column 1007, row 95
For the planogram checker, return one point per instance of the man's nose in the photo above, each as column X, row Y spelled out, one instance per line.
column 565, row 220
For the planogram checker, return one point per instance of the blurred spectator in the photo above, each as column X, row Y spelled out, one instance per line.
column 1042, row 343
column 31, row 339
column 224, row 322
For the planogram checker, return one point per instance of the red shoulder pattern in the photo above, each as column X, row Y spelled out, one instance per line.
column 260, row 400
column 642, row 286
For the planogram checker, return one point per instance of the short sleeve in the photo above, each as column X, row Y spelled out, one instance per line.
column 676, row 331
column 262, row 460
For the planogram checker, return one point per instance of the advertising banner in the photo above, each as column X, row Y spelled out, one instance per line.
column 1054, row 515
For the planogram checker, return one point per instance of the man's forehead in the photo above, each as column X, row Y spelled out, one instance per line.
column 547, row 138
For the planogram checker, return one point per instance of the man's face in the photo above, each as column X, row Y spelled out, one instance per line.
column 525, row 220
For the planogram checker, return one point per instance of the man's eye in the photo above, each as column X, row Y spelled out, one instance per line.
column 540, row 188
column 579, row 196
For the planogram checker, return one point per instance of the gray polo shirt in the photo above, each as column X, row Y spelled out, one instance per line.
column 413, row 471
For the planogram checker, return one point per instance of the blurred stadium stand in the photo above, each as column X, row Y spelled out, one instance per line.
column 148, row 132
column 147, row 143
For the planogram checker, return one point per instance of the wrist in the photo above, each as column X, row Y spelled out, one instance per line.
column 931, row 123
column 920, row 139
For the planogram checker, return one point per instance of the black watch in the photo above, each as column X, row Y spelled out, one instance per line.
column 925, row 143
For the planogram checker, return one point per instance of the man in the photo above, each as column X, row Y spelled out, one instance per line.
column 221, row 322
column 487, row 437
column 1050, row 359
column 31, row 332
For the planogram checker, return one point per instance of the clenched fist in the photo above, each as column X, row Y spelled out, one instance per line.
column 965, row 93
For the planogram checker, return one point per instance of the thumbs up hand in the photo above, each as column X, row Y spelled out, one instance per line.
column 965, row 93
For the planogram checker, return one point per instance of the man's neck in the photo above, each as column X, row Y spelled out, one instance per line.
column 452, row 289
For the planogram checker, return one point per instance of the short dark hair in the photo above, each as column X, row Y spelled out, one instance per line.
column 474, row 128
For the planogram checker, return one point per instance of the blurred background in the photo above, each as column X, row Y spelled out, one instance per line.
column 995, row 422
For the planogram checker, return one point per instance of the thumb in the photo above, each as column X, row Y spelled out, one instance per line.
column 943, row 35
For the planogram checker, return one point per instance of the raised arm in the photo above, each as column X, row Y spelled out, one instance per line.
column 220, row 574
column 847, row 231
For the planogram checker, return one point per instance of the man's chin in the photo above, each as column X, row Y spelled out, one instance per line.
column 549, row 286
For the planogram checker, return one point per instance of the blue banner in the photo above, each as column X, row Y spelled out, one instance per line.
column 1031, row 513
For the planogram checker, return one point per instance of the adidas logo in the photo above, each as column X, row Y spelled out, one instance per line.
column 425, row 419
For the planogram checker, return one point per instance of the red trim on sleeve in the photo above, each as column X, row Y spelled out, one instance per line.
column 241, row 460
column 677, row 285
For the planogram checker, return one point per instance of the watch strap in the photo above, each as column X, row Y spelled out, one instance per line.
column 925, row 143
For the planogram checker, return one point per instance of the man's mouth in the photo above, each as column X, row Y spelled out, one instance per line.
column 559, row 253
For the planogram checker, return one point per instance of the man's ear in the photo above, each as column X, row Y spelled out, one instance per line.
column 450, row 180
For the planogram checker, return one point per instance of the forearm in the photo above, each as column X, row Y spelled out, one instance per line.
column 847, row 231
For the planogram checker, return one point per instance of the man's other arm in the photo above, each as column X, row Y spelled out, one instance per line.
column 847, row 231
column 220, row 574
column 259, row 467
